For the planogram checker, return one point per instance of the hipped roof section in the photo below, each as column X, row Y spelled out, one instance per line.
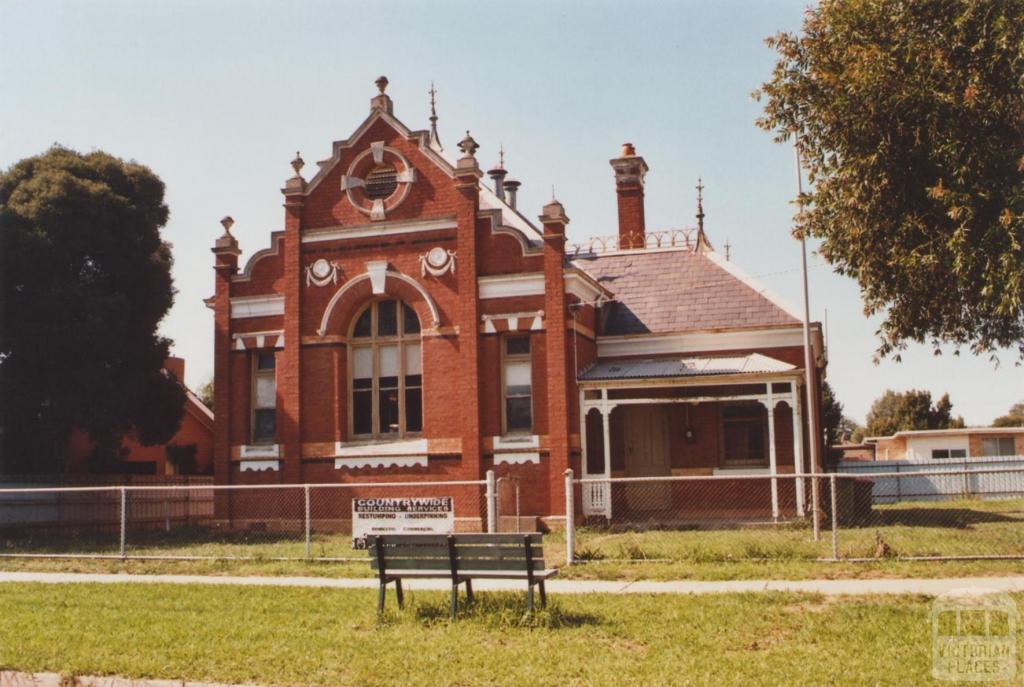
column 679, row 290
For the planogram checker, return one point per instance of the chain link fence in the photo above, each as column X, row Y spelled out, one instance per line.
column 933, row 514
column 256, row 522
column 961, row 512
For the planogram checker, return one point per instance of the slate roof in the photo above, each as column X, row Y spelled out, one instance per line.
column 684, row 367
column 665, row 291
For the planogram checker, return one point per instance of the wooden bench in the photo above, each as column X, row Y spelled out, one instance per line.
column 460, row 558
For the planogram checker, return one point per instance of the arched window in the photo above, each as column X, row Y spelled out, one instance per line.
column 385, row 372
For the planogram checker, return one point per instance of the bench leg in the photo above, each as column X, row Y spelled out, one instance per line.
column 469, row 591
column 543, row 595
column 380, row 598
column 529, row 599
column 455, row 598
column 398, row 593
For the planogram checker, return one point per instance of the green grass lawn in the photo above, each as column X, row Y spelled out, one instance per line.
column 954, row 528
column 333, row 637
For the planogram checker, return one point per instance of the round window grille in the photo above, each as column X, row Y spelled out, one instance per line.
column 381, row 182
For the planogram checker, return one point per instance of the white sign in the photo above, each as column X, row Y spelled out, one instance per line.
column 428, row 515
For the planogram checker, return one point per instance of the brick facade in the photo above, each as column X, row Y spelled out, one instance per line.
column 341, row 250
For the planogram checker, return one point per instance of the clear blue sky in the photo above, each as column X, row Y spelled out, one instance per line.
column 216, row 97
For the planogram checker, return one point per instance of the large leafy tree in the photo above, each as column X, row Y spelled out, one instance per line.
column 894, row 411
column 86, row 278
column 910, row 119
column 1013, row 418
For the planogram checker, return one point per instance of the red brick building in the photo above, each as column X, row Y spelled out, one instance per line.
column 188, row 452
column 411, row 323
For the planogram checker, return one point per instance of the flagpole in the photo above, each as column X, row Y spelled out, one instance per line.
column 810, row 368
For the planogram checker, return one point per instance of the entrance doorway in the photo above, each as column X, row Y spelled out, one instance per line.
column 647, row 441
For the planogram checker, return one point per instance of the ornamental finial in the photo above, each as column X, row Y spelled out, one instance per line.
column 700, row 205
column 227, row 223
column 382, row 83
column 434, row 138
column 298, row 163
column 468, row 146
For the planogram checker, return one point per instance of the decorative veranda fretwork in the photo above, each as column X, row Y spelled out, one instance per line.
column 596, row 497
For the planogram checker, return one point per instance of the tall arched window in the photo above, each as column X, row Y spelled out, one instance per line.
column 385, row 371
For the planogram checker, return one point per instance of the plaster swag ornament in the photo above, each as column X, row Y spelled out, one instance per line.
column 437, row 262
column 322, row 272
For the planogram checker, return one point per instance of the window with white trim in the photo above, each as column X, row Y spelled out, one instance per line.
column 385, row 372
column 997, row 446
column 947, row 453
column 264, row 398
column 517, row 385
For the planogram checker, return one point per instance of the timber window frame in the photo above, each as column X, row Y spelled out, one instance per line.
column 743, row 422
column 516, row 385
column 263, row 394
column 385, row 372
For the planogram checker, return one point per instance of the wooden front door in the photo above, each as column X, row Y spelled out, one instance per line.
column 647, row 440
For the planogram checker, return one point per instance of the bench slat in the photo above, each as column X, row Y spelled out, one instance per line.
column 497, row 564
column 469, row 538
column 481, row 551
column 413, row 551
column 412, row 564
column 484, row 574
column 475, row 538
column 515, row 564
column 508, row 575
column 410, row 538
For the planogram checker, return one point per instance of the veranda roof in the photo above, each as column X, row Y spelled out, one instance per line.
column 662, row 368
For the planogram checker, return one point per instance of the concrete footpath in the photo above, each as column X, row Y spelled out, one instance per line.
column 931, row 587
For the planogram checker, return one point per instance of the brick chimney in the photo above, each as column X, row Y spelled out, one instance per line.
column 176, row 366
column 630, row 169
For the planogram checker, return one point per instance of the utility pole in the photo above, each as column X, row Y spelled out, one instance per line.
column 810, row 367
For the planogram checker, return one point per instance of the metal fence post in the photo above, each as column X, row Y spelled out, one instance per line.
column 309, row 540
column 835, row 517
column 519, row 521
column 492, row 503
column 497, row 489
column 124, row 519
column 815, row 508
column 570, row 520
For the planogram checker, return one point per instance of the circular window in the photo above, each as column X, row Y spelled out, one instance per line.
column 381, row 182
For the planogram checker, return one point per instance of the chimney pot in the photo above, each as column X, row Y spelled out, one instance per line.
column 498, row 176
column 511, row 188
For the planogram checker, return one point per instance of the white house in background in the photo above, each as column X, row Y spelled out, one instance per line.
column 943, row 444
